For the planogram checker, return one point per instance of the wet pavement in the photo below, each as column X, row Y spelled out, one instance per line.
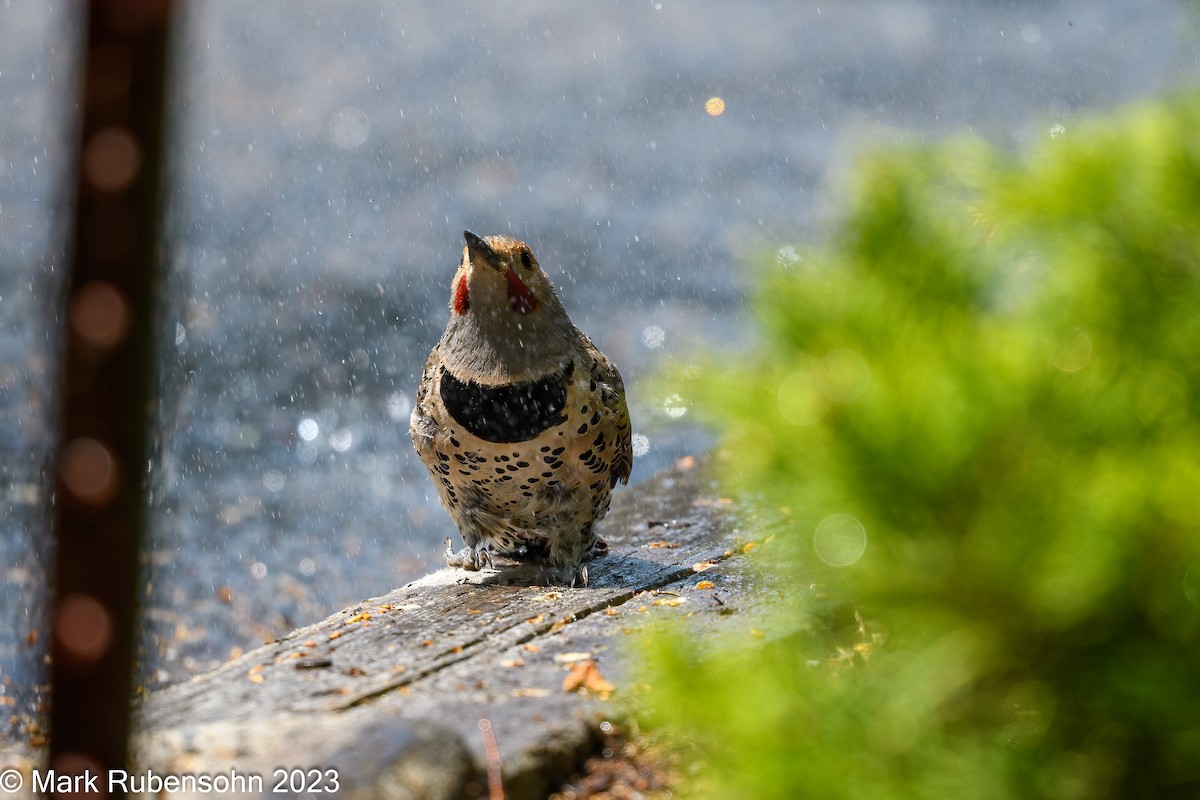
column 325, row 161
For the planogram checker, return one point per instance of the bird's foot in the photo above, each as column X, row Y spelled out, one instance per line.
column 597, row 548
column 571, row 576
column 469, row 558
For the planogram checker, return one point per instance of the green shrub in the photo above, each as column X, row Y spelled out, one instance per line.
column 991, row 377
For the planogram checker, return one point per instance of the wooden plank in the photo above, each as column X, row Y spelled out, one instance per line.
column 424, row 664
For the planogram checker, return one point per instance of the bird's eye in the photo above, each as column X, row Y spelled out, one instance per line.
column 526, row 260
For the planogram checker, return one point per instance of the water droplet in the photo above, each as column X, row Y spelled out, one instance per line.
column 307, row 567
column 180, row 333
column 641, row 445
column 258, row 570
column 1057, row 129
column 840, row 540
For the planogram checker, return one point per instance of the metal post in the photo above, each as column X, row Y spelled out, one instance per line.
column 107, row 380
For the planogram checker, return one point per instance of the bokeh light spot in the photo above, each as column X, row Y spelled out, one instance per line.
column 840, row 540
column 308, row 429
column 800, row 400
column 1191, row 584
column 843, row 375
column 83, row 627
column 674, row 406
column 273, row 480
column 111, row 159
column 398, row 406
column 1075, row 352
column 653, row 336
column 88, row 470
column 349, row 128
column 99, row 314
column 715, row 106
column 341, row 440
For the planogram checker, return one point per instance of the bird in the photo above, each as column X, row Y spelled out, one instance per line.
column 520, row 419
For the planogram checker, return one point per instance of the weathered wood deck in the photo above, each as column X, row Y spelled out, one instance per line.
column 396, row 693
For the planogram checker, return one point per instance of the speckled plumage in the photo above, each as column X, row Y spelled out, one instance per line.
column 520, row 420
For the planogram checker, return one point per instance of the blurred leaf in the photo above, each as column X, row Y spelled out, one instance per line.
column 992, row 378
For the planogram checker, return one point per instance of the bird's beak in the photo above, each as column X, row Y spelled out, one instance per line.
column 481, row 252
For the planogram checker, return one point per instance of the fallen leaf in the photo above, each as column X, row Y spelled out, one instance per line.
column 670, row 601
column 549, row 596
column 530, row 692
column 361, row 616
column 703, row 565
column 610, row 612
column 571, row 658
column 536, row 620
column 474, row 610
column 657, row 545
column 562, row 623
column 335, row 635
column 705, row 585
column 533, row 648
column 586, row 676
column 512, row 662
column 255, row 677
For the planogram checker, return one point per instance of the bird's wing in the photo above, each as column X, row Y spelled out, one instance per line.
column 421, row 424
column 612, row 396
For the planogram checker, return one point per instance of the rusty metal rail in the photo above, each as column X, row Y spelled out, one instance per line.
column 106, row 381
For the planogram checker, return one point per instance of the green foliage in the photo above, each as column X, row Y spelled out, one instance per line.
column 992, row 378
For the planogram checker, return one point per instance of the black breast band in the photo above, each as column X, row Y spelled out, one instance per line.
column 515, row 412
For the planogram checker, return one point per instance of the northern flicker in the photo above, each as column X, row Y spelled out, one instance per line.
column 520, row 420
